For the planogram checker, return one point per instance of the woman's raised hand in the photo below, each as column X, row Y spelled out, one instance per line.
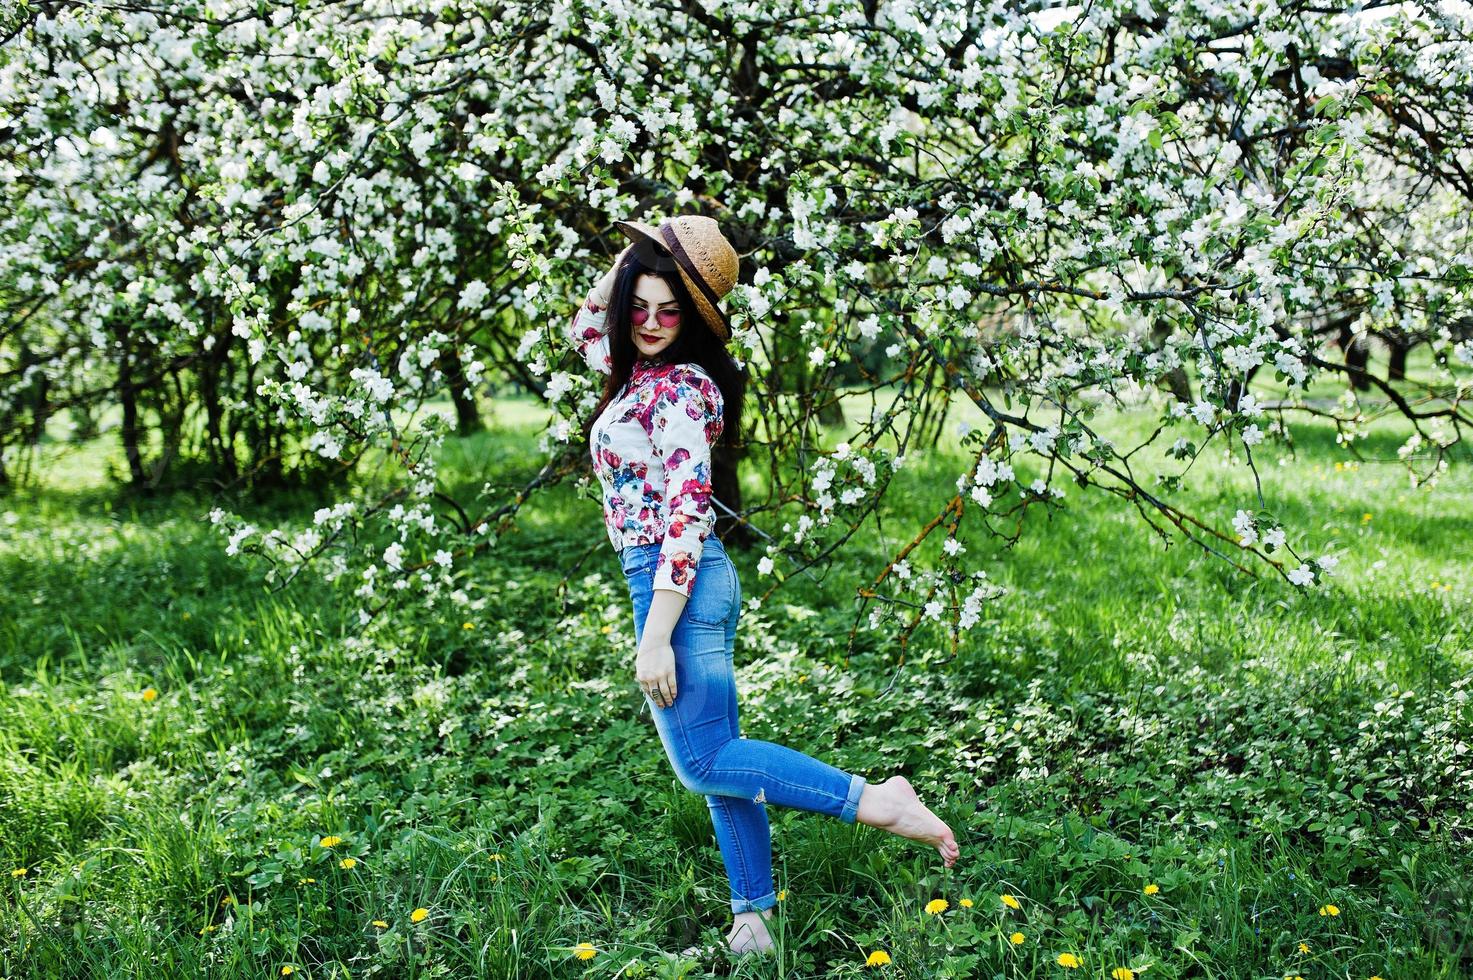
column 602, row 291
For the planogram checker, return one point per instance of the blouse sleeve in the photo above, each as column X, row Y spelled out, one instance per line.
column 588, row 332
column 687, row 422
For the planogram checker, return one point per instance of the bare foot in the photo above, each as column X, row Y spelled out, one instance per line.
column 894, row 806
column 749, row 932
column 748, row 935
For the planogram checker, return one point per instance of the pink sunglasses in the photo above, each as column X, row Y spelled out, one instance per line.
column 665, row 318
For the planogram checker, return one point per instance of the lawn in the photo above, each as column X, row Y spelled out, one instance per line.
column 1151, row 760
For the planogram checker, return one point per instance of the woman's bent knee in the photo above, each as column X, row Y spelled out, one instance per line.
column 695, row 775
column 695, row 779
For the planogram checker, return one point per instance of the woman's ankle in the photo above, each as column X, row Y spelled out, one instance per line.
column 756, row 921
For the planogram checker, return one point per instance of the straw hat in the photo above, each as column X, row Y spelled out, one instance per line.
column 706, row 261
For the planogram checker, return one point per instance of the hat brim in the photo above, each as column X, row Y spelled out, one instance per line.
column 638, row 231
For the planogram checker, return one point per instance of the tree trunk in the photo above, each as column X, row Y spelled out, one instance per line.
column 128, row 400
column 1357, row 355
column 467, row 415
column 220, row 449
column 1397, row 369
column 1176, row 379
column 1237, row 389
column 725, row 464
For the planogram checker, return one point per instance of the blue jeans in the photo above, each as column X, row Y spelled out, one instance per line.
column 737, row 775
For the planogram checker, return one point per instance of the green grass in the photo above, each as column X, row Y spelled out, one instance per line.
column 1128, row 714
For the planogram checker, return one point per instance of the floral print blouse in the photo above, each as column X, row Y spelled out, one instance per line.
column 651, row 451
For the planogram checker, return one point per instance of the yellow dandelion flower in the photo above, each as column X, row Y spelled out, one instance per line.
column 20, row 872
column 1016, row 939
column 419, row 915
column 287, row 971
column 606, row 629
column 1329, row 910
column 1365, row 518
column 1151, row 889
column 150, row 693
column 1011, row 902
column 878, row 958
column 1294, row 977
column 331, row 840
column 585, row 951
column 306, row 881
column 1304, row 947
column 186, row 614
column 966, row 903
column 782, row 896
column 347, row 863
column 467, row 626
column 1377, row 977
column 937, row 905
column 210, row 928
column 498, row 856
column 381, row 923
column 1122, row 973
column 1068, row 961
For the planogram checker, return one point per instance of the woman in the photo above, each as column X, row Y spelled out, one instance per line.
column 672, row 393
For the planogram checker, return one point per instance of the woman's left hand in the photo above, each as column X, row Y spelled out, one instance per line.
column 654, row 669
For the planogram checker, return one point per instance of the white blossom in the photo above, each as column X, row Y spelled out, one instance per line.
column 1246, row 526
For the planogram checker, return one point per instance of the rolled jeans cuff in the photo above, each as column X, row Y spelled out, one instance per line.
column 850, row 813
column 753, row 904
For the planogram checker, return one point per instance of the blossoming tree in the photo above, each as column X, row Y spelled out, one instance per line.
column 268, row 235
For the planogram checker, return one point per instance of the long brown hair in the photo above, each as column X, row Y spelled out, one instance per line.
column 694, row 344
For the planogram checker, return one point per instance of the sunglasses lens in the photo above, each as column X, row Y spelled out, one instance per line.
column 666, row 318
